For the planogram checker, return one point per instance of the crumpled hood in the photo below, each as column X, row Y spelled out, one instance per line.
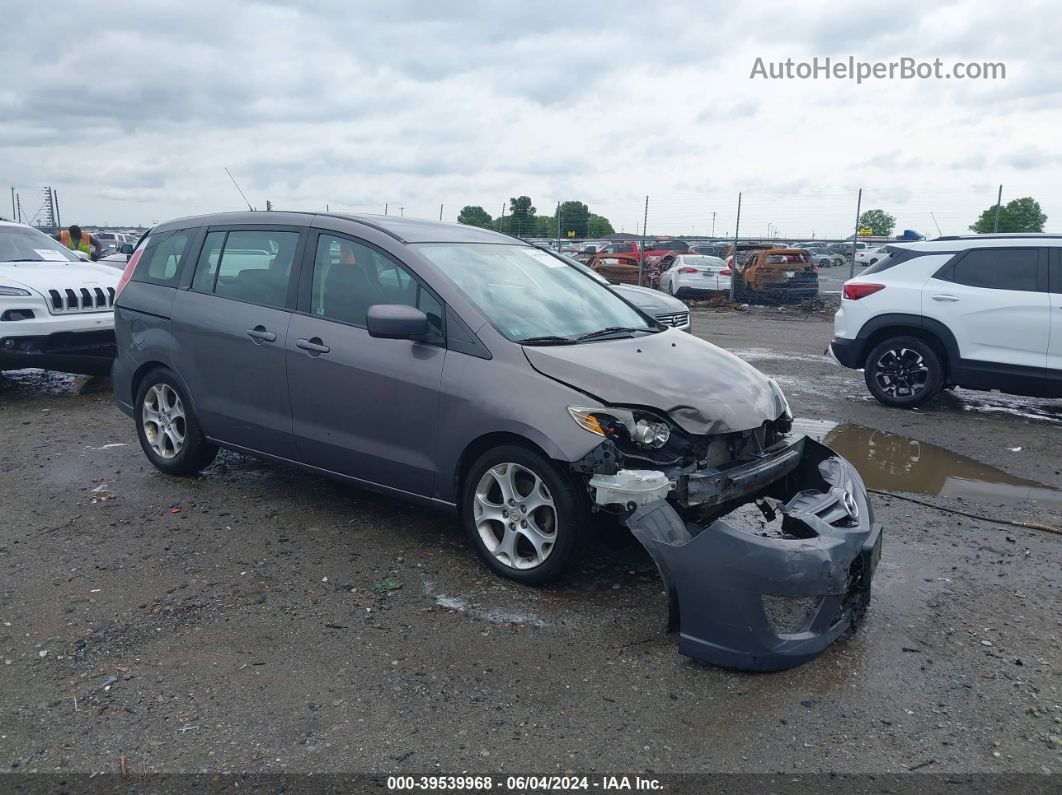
column 704, row 389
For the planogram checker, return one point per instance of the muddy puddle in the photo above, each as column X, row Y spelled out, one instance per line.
column 46, row 382
column 891, row 462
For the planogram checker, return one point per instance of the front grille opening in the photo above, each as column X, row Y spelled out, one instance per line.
column 83, row 299
column 673, row 319
column 749, row 518
column 789, row 615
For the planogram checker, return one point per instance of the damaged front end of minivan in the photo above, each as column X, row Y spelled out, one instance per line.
column 766, row 543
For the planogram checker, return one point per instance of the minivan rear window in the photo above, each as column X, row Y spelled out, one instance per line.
column 164, row 258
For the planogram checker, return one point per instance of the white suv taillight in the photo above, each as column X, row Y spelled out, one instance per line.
column 855, row 291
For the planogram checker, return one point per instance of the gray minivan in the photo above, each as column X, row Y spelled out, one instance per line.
column 466, row 369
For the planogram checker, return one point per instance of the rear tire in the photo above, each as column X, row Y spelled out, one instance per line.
column 550, row 522
column 903, row 372
column 167, row 427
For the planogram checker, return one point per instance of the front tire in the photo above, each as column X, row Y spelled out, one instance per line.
column 167, row 427
column 523, row 516
column 903, row 372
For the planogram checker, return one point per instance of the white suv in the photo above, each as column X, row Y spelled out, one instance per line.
column 56, row 310
column 982, row 312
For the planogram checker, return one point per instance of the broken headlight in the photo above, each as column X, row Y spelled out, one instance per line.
column 643, row 430
column 650, row 434
column 784, row 422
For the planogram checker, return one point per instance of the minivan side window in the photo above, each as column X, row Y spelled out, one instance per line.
column 998, row 269
column 164, row 260
column 206, row 271
column 349, row 277
column 247, row 265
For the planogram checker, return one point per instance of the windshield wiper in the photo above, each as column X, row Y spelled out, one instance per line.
column 613, row 330
column 547, row 340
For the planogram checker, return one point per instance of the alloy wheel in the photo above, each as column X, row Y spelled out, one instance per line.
column 164, row 420
column 515, row 516
column 901, row 373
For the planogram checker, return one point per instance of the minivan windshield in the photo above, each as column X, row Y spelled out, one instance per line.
column 533, row 297
column 26, row 244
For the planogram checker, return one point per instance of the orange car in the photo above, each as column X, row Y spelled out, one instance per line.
column 617, row 268
column 775, row 275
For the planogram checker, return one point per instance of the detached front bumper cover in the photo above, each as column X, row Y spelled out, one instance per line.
column 760, row 603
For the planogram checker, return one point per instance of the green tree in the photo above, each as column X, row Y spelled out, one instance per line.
column 599, row 226
column 521, row 219
column 574, row 217
column 545, row 226
column 1017, row 215
column 474, row 215
column 878, row 221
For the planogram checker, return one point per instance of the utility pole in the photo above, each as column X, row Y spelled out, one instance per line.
column 855, row 235
column 713, row 223
column 733, row 266
column 55, row 200
column 641, row 249
column 14, row 208
column 269, row 206
column 402, row 209
column 440, row 212
column 999, row 199
column 557, row 222
column 18, row 205
column 385, row 208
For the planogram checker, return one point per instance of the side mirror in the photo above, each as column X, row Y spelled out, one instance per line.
column 396, row 322
column 125, row 248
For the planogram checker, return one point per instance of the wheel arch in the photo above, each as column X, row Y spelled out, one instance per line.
column 481, row 444
column 933, row 332
column 145, row 368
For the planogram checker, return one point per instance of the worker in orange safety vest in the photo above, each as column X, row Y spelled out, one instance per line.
column 76, row 240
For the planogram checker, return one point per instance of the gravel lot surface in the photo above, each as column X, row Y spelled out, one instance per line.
column 230, row 622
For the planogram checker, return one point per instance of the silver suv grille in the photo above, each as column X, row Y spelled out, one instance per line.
column 83, row 299
column 676, row 319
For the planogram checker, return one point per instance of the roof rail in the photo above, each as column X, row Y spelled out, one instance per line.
column 1002, row 236
column 359, row 220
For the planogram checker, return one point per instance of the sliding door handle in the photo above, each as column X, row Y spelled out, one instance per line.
column 314, row 345
column 260, row 334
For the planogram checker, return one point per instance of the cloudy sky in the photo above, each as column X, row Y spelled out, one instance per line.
column 132, row 111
